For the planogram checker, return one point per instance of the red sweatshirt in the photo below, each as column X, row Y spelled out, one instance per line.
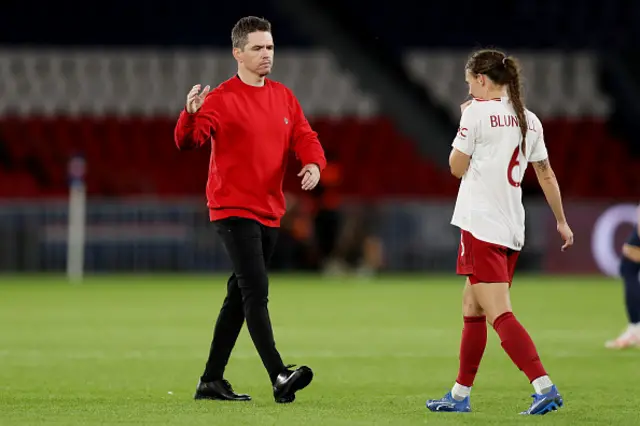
column 252, row 129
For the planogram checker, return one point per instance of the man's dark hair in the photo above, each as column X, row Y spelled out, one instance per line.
column 244, row 27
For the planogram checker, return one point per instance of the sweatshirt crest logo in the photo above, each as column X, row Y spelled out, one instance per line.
column 286, row 120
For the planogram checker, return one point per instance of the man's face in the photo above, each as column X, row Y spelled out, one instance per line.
column 257, row 55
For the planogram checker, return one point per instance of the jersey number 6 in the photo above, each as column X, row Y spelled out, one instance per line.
column 513, row 163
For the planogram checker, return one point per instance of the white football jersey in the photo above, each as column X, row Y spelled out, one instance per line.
column 489, row 203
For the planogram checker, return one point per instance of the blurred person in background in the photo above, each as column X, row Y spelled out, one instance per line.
column 358, row 250
column 328, row 219
column 252, row 123
column 293, row 249
column 630, row 272
column 344, row 235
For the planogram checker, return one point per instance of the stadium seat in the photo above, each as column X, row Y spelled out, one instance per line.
column 134, row 155
column 119, row 110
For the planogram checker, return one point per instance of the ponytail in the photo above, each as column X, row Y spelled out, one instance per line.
column 514, row 89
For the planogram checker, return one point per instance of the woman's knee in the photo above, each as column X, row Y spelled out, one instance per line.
column 493, row 298
column 470, row 306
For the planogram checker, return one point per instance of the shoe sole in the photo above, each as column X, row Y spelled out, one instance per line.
column 305, row 376
column 198, row 397
column 554, row 405
column 622, row 347
column 430, row 407
column 447, row 411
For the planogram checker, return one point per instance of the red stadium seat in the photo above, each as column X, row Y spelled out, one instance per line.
column 136, row 155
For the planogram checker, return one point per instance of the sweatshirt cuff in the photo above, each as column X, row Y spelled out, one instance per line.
column 188, row 117
column 320, row 162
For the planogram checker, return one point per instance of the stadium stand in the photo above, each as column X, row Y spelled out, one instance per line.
column 120, row 109
column 118, row 105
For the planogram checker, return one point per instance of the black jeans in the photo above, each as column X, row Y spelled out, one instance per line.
column 250, row 246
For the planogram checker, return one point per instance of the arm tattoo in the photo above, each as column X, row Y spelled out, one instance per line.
column 541, row 166
column 543, row 170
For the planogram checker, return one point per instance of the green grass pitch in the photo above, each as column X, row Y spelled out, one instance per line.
column 122, row 350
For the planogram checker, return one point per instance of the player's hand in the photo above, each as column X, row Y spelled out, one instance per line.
column 195, row 100
column 465, row 105
column 566, row 234
column 311, row 176
column 631, row 252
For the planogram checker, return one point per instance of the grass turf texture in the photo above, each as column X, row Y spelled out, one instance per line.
column 129, row 350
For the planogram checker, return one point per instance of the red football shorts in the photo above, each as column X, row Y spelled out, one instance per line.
column 484, row 262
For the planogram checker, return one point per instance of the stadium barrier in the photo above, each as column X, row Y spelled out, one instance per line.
column 175, row 235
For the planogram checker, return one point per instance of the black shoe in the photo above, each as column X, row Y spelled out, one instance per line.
column 289, row 382
column 220, row 390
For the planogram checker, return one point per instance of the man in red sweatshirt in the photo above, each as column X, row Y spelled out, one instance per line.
column 252, row 123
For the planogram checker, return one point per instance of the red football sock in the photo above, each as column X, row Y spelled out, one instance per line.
column 474, row 340
column 518, row 345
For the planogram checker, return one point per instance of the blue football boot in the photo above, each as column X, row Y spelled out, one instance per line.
column 448, row 404
column 543, row 404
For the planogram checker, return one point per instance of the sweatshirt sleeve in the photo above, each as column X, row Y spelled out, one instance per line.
column 304, row 140
column 194, row 130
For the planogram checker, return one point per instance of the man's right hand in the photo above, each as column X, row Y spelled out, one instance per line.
column 195, row 100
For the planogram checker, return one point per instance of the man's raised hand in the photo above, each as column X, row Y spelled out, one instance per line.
column 195, row 99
